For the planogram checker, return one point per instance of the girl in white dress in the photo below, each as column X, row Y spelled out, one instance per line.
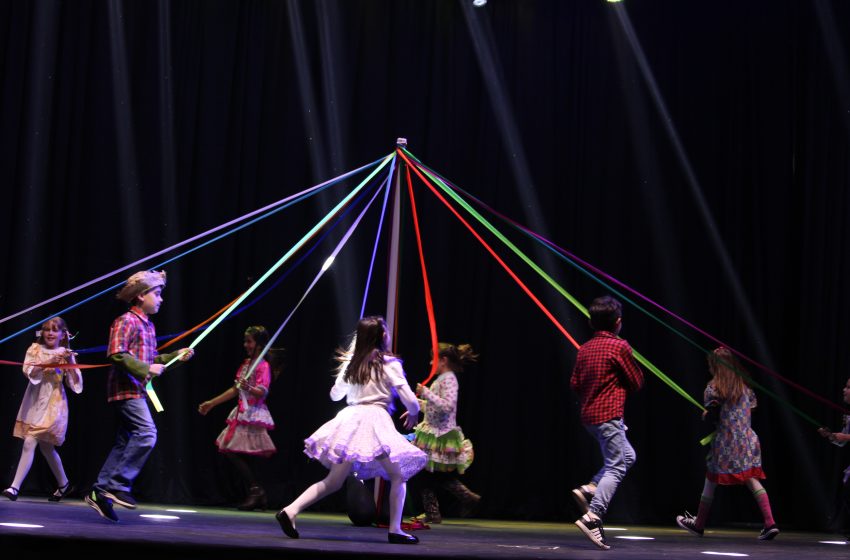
column 43, row 417
column 362, row 436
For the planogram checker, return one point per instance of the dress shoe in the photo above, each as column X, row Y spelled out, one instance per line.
column 61, row 492
column 11, row 492
column 395, row 538
column 286, row 524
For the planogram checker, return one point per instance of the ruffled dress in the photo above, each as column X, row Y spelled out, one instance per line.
column 44, row 409
column 735, row 454
column 363, row 432
column 438, row 435
column 249, row 422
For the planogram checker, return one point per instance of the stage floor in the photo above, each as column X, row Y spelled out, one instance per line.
column 157, row 532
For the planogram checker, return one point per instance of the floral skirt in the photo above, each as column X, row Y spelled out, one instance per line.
column 364, row 435
column 448, row 452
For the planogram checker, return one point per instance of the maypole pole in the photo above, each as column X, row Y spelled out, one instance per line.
column 395, row 247
column 391, row 314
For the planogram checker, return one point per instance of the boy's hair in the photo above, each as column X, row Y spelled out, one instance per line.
column 604, row 312
column 727, row 374
column 63, row 328
column 274, row 356
column 457, row 356
column 370, row 347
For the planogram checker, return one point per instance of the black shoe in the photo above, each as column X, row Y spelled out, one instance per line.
column 582, row 499
column 11, row 492
column 101, row 504
column 689, row 523
column 395, row 538
column 123, row 499
column 768, row 533
column 286, row 524
column 61, row 492
column 256, row 499
column 592, row 528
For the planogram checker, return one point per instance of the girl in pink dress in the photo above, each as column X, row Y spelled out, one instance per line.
column 247, row 432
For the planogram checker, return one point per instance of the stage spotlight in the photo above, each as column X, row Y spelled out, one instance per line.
column 22, row 525
column 713, row 553
column 157, row 517
column 479, row 3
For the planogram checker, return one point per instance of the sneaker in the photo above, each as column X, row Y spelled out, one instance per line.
column 768, row 533
column 592, row 528
column 582, row 499
column 123, row 499
column 689, row 523
column 101, row 504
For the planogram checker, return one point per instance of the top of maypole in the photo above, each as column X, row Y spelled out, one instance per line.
column 401, row 142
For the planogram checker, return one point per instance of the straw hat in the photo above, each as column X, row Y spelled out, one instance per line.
column 139, row 283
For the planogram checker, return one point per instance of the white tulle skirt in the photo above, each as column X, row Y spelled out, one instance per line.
column 361, row 435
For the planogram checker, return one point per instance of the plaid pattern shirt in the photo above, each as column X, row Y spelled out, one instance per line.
column 132, row 333
column 604, row 373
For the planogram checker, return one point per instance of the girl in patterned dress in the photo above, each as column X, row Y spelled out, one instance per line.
column 735, row 454
column 43, row 417
column 362, row 436
column 247, row 432
column 439, row 436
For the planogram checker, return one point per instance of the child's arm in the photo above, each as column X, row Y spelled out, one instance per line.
column 206, row 406
column 73, row 377
column 408, row 399
column 262, row 376
column 837, row 438
column 33, row 373
column 134, row 366
column 185, row 354
column 446, row 402
column 629, row 366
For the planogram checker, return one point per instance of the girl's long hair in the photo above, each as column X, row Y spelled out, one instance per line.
column 367, row 356
column 727, row 374
column 274, row 356
column 458, row 356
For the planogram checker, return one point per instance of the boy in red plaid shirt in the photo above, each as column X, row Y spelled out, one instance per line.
column 132, row 352
column 605, row 372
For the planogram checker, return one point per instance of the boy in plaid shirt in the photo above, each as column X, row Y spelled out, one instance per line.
column 605, row 372
column 132, row 352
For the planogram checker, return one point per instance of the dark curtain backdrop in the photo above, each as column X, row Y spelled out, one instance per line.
column 696, row 151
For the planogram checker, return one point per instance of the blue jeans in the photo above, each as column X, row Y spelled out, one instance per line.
column 135, row 441
column 618, row 456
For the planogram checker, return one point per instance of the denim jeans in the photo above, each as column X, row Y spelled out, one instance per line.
column 618, row 456
column 135, row 441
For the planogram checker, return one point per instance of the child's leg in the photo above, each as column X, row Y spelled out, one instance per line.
column 398, row 491
column 242, row 468
column 705, row 501
column 25, row 463
column 760, row 495
column 54, row 461
column 618, row 456
column 325, row 487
